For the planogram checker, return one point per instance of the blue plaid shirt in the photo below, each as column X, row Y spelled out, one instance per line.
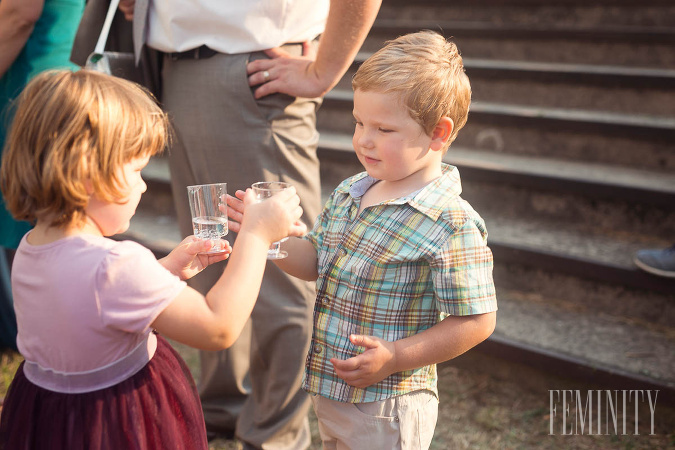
column 392, row 271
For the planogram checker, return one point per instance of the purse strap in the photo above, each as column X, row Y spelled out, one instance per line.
column 103, row 38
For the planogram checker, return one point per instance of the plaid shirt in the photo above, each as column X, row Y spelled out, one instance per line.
column 396, row 269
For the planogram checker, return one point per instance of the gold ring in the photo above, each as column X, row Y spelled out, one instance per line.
column 266, row 76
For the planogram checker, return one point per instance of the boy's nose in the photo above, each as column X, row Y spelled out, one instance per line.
column 364, row 140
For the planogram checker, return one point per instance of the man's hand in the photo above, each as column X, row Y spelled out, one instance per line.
column 296, row 76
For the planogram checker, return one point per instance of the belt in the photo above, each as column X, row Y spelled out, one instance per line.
column 202, row 52
column 205, row 52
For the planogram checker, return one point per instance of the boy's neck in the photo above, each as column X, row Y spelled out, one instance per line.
column 383, row 190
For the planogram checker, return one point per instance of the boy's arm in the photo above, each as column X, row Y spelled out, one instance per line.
column 301, row 261
column 446, row 340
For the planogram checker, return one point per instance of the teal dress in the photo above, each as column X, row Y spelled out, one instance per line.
column 48, row 47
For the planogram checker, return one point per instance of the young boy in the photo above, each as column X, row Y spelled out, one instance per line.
column 404, row 275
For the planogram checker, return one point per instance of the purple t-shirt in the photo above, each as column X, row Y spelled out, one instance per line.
column 84, row 302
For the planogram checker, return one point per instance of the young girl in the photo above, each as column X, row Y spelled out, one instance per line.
column 95, row 375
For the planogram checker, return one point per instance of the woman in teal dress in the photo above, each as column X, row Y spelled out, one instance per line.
column 35, row 35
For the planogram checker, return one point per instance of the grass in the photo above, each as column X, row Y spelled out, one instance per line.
column 486, row 403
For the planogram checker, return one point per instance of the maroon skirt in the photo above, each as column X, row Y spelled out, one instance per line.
column 157, row 408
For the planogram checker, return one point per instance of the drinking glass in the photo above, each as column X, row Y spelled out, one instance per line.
column 208, row 221
column 263, row 190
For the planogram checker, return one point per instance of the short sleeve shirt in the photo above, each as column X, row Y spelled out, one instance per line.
column 392, row 271
column 84, row 302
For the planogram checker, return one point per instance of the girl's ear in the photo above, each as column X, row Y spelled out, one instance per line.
column 85, row 176
column 441, row 133
column 89, row 186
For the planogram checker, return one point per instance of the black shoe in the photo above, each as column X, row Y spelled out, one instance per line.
column 659, row 262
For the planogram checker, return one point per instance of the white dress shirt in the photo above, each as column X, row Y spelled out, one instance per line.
column 233, row 26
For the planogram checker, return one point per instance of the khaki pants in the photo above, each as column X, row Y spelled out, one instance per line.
column 224, row 135
column 405, row 422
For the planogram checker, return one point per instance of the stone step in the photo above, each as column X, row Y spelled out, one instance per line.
column 588, row 251
column 604, row 327
column 634, row 46
column 638, row 141
column 627, row 90
column 649, row 13
column 592, row 338
column 600, row 197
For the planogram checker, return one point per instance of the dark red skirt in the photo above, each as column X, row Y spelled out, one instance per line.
column 157, row 408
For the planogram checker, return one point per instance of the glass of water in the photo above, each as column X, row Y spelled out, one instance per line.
column 263, row 190
column 208, row 221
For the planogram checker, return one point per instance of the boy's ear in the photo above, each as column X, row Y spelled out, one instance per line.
column 441, row 134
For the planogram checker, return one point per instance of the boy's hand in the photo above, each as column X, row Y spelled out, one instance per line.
column 375, row 364
column 234, row 210
column 186, row 261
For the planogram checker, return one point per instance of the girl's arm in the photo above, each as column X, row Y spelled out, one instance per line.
column 446, row 340
column 301, row 261
column 214, row 322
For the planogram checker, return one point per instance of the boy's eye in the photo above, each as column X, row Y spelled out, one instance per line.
column 385, row 130
column 357, row 123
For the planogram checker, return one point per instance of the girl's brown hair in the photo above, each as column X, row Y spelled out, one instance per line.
column 71, row 134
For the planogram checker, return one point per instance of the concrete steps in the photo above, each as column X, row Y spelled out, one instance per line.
column 634, row 140
column 569, row 157
column 595, row 13
column 618, row 89
column 574, row 314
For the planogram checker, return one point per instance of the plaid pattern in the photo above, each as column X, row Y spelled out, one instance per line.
column 394, row 271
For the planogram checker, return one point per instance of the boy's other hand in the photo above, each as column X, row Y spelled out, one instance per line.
column 376, row 363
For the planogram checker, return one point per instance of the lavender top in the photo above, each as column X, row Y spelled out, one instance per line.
column 84, row 306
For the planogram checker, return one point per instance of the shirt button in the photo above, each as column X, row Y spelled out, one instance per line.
column 343, row 252
column 318, row 348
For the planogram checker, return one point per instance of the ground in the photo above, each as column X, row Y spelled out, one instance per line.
column 487, row 403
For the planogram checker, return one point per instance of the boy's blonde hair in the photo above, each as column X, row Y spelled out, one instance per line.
column 71, row 134
column 427, row 71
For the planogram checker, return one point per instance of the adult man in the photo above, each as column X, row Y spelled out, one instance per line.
column 214, row 52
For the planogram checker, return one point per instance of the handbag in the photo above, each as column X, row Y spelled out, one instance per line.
column 118, row 64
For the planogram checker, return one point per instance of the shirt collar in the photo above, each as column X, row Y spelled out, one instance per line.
column 430, row 200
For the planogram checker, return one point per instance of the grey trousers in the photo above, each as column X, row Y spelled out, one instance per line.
column 224, row 135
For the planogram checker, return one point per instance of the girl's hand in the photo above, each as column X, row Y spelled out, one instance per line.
column 375, row 364
column 188, row 258
column 277, row 217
